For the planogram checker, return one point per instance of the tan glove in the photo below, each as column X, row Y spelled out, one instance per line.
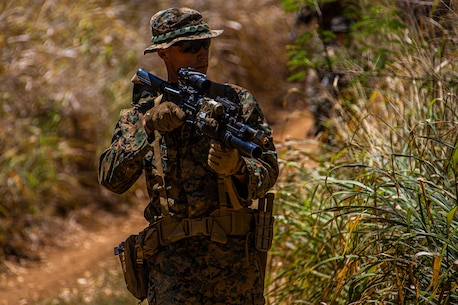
column 224, row 160
column 165, row 117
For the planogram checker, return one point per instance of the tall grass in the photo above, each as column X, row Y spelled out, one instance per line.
column 376, row 221
column 373, row 222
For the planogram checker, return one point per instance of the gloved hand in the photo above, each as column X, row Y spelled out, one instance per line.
column 164, row 117
column 224, row 160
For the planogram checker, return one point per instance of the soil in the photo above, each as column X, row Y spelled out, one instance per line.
column 89, row 248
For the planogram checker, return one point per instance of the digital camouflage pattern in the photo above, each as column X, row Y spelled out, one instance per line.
column 176, row 24
column 233, row 280
column 192, row 189
column 194, row 270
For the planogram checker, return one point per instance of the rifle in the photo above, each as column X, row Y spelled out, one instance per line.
column 213, row 108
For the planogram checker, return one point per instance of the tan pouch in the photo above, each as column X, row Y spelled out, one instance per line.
column 133, row 253
column 133, row 267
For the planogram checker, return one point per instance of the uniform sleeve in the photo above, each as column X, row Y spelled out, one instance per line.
column 263, row 172
column 121, row 164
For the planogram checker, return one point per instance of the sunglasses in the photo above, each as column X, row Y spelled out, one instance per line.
column 193, row 46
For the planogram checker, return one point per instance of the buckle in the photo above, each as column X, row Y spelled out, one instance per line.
column 197, row 226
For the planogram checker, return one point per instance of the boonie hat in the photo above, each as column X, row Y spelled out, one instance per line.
column 176, row 24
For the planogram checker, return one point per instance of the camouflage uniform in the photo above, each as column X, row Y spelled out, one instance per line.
column 194, row 270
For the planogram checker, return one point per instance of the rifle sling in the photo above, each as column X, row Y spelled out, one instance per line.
column 231, row 191
column 160, row 167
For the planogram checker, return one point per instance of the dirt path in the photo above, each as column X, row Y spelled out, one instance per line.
column 91, row 247
column 294, row 125
column 91, row 250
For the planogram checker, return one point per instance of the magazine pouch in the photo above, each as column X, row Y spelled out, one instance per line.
column 264, row 232
column 133, row 266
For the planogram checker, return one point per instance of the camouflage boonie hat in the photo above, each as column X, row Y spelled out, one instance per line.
column 176, row 24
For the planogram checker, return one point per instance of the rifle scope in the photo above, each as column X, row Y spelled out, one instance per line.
column 194, row 79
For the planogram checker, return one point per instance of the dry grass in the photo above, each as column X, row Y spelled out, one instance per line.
column 376, row 221
column 64, row 75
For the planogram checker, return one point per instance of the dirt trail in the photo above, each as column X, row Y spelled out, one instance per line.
column 91, row 250
column 294, row 125
column 91, row 247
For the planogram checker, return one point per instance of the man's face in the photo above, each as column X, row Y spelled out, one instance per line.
column 186, row 54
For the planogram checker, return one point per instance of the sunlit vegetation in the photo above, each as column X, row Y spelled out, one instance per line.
column 366, row 214
column 65, row 74
column 375, row 222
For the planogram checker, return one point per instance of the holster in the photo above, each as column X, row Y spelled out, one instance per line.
column 264, row 233
column 264, row 223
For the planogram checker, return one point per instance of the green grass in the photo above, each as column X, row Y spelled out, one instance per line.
column 375, row 222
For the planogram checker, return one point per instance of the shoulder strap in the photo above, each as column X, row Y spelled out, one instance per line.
column 226, row 186
column 230, row 188
column 160, row 177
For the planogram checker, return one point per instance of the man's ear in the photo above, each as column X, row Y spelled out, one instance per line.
column 162, row 53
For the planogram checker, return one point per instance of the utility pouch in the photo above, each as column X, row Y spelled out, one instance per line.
column 264, row 231
column 133, row 266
